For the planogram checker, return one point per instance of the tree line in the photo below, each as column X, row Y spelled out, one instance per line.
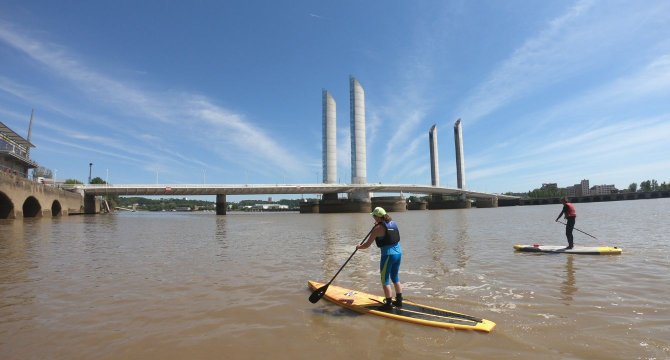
column 170, row 204
column 645, row 186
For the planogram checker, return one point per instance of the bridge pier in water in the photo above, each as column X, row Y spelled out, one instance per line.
column 309, row 207
column 330, row 203
column 389, row 203
column 491, row 202
column 221, row 204
column 417, row 205
column 330, row 206
column 90, row 205
column 439, row 202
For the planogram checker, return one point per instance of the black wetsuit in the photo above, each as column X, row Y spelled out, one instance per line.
column 570, row 216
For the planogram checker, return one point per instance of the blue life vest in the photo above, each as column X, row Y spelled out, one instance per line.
column 391, row 237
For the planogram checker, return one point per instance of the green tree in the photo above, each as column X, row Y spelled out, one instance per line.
column 112, row 199
column 546, row 193
column 97, row 180
column 649, row 185
column 632, row 187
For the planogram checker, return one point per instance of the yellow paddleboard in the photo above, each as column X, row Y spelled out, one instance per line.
column 583, row 250
column 410, row 312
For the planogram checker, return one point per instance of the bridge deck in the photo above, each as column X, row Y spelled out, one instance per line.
column 262, row 189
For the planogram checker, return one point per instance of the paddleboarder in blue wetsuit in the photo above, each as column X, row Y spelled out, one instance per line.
column 570, row 216
column 387, row 237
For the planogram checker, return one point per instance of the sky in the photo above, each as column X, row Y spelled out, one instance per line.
column 230, row 92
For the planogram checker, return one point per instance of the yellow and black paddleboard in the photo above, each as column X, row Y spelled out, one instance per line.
column 582, row 250
column 409, row 312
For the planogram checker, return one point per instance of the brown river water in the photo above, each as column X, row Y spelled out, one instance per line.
column 201, row 286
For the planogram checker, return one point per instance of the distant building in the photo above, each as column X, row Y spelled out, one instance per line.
column 549, row 186
column 261, row 207
column 580, row 189
column 14, row 152
column 603, row 189
column 583, row 189
column 45, row 181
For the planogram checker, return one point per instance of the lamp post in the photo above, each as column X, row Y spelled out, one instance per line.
column 90, row 169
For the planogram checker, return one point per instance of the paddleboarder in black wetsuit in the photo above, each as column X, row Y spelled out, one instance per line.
column 570, row 216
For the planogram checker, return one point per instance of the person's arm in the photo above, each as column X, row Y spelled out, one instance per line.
column 377, row 231
column 562, row 212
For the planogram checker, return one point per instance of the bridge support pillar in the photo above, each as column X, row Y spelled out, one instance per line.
column 309, row 207
column 89, row 204
column 343, row 206
column 491, row 202
column 389, row 203
column 221, row 204
column 417, row 205
column 440, row 202
column 330, row 197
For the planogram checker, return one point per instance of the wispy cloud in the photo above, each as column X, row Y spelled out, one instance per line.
column 541, row 60
column 594, row 153
column 580, row 40
column 403, row 114
column 233, row 130
column 588, row 132
column 583, row 149
column 154, row 110
column 62, row 62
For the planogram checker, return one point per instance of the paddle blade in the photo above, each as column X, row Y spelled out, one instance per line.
column 318, row 294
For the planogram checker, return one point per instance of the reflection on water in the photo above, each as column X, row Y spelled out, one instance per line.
column 178, row 285
column 462, row 238
column 568, row 287
column 437, row 244
column 331, row 235
column 15, row 264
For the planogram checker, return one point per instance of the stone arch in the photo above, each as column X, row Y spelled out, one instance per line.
column 6, row 207
column 56, row 209
column 32, row 207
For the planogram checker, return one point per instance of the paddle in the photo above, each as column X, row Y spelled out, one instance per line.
column 560, row 222
column 318, row 293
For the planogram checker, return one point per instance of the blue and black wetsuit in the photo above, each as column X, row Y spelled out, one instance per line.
column 391, row 253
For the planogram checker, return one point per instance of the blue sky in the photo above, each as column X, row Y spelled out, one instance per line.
column 229, row 92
